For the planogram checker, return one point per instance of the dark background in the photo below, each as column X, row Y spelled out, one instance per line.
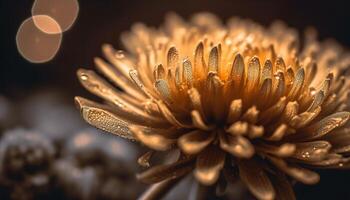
column 102, row 21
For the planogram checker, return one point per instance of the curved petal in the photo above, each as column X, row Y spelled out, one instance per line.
column 96, row 85
column 301, row 174
column 324, row 126
column 209, row 164
column 256, row 180
column 284, row 189
column 153, row 141
column 284, row 150
column 312, row 151
column 195, row 141
column 236, row 145
column 158, row 190
column 120, row 81
column 99, row 116
column 144, row 160
column 163, row 172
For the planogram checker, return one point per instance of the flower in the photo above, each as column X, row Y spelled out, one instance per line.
column 24, row 153
column 25, row 161
column 88, row 170
column 235, row 100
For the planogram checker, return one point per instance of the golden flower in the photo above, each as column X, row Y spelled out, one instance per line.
column 234, row 99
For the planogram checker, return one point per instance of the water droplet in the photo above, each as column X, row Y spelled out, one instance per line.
column 228, row 41
column 120, row 54
column 306, row 155
column 84, row 77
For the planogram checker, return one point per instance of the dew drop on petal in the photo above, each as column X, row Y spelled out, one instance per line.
column 120, row 54
column 84, row 77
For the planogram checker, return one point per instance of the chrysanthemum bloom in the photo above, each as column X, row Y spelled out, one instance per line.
column 235, row 99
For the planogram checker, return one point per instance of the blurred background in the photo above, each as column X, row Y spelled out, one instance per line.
column 37, row 98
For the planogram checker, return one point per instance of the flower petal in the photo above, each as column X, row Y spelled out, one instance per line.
column 303, row 119
column 284, row 189
column 144, row 160
column 284, row 150
column 301, row 174
column 238, row 146
column 252, row 74
column 273, row 112
column 199, row 63
column 312, row 151
column 290, row 111
column 195, row 98
column 170, row 116
column 122, row 82
column 251, row 115
column 214, row 61
column 172, row 58
column 235, row 111
column 98, row 116
column 278, row 133
column 163, row 88
column 159, row 190
column 238, row 128
column 325, row 126
column 198, row 121
column 120, row 64
column 166, row 171
column 256, row 180
column 209, row 164
column 237, row 71
column 195, row 141
column 153, row 141
column 126, row 110
column 297, row 84
column 187, row 71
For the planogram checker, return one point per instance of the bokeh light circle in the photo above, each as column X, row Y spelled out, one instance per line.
column 35, row 45
column 64, row 12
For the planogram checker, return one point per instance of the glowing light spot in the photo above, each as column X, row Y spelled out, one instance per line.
column 65, row 12
column 35, row 45
column 82, row 140
column 47, row 24
column 116, row 148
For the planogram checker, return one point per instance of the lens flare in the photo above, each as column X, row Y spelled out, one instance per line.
column 47, row 24
column 65, row 12
column 35, row 45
